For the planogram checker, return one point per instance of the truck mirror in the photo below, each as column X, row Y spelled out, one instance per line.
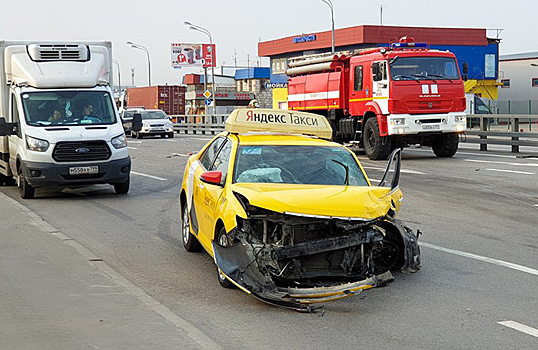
column 465, row 71
column 375, row 69
column 7, row 129
column 137, row 122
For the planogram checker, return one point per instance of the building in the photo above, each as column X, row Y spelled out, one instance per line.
column 519, row 78
column 255, row 80
column 471, row 46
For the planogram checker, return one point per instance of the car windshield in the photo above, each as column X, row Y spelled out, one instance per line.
column 68, row 107
column 153, row 115
column 419, row 68
column 313, row 165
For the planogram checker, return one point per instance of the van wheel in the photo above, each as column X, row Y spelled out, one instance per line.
column 375, row 146
column 222, row 240
column 122, row 188
column 27, row 191
column 190, row 242
column 171, row 135
column 446, row 145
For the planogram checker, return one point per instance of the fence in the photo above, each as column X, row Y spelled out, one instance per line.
column 484, row 129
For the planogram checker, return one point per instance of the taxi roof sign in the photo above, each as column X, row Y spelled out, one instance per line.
column 279, row 121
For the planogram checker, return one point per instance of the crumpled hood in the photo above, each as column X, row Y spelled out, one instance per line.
column 339, row 201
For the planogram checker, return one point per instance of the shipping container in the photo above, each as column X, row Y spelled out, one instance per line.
column 169, row 98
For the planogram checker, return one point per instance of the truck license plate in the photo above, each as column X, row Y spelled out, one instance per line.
column 83, row 170
column 430, row 127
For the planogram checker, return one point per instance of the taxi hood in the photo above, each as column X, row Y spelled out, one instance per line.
column 354, row 202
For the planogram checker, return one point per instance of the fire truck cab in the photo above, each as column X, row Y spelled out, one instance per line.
column 384, row 98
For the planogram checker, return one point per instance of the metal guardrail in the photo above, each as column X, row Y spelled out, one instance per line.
column 489, row 131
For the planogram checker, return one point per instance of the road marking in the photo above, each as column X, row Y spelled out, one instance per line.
column 199, row 138
column 179, row 322
column 511, row 171
column 482, row 258
column 132, row 147
column 150, row 176
column 466, row 153
column 131, row 141
column 407, row 171
column 505, row 163
column 168, row 140
column 520, row 327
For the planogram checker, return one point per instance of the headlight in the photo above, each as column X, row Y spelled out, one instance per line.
column 37, row 145
column 397, row 121
column 461, row 119
column 119, row 141
column 145, row 125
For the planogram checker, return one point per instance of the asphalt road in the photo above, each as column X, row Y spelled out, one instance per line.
column 478, row 213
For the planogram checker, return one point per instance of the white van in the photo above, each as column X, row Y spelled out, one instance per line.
column 60, row 124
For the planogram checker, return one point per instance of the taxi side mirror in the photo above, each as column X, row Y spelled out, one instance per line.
column 137, row 122
column 7, row 129
column 212, row 178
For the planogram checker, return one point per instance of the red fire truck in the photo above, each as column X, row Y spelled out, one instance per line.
column 384, row 98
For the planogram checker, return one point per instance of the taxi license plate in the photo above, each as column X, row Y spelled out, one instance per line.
column 83, row 170
column 430, row 127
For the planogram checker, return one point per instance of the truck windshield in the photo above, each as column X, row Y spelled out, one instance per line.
column 313, row 165
column 68, row 107
column 419, row 68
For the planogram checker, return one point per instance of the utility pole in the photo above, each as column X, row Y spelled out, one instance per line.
column 235, row 57
column 381, row 15
column 132, row 76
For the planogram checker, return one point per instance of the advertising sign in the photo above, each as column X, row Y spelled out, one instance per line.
column 192, row 55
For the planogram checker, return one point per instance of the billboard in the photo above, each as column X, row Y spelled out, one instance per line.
column 192, row 55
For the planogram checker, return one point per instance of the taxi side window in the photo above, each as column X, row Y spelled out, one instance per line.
column 211, row 152
column 223, row 159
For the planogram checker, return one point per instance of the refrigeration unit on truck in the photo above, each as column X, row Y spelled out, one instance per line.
column 384, row 98
column 58, row 122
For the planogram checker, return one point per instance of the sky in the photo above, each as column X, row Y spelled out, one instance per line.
column 237, row 26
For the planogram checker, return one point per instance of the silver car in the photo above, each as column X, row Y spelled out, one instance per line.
column 154, row 122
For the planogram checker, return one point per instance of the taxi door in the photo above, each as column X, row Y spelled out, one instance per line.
column 211, row 195
column 392, row 176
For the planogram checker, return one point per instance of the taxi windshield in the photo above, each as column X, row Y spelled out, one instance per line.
column 312, row 165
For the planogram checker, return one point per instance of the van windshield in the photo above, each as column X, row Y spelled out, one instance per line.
column 420, row 68
column 68, row 107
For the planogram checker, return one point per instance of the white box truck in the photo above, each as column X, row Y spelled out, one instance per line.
column 58, row 122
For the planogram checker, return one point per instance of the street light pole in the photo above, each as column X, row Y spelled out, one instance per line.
column 206, row 32
column 119, row 77
column 330, row 4
column 145, row 49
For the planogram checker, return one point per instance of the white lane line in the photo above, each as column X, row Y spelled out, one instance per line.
column 150, row 176
column 374, row 180
column 132, row 147
column 199, row 138
column 168, row 140
column 511, row 171
column 482, row 258
column 407, row 171
column 505, row 163
column 520, row 327
column 466, row 153
column 131, row 141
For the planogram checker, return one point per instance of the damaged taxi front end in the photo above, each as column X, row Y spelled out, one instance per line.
column 296, row 259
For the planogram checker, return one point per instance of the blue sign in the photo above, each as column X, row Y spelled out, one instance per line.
column 208, row 101
column 304, row 38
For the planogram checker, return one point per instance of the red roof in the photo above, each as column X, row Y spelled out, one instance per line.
column 371, row 34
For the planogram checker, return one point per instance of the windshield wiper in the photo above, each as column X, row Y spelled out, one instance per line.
column 346, row 180
column 406, row 77
column 424, row 77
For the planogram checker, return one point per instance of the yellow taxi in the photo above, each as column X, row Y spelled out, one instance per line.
column 289, row 216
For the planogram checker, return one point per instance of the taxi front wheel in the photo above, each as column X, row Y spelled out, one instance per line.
column 190, row 242
column 222, row 240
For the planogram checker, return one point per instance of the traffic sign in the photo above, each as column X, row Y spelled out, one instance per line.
column 207, row 94
column 208, row 101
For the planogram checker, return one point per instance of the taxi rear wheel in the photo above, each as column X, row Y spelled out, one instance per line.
column 190, row 242
column 223, row 240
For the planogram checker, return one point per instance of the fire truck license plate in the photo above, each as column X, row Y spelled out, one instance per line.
column 83, row 170
column 430, row 127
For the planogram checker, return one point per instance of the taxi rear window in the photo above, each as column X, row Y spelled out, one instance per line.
column 313, row 165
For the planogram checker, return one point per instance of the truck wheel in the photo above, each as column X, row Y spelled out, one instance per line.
column 222, row 240
column 376, row 147
column 27, row 191
column 122, row 188
column 171, row 135
column 446, row 145
column 190, row 242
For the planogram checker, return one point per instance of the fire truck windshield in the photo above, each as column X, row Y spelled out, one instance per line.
column 419, row 68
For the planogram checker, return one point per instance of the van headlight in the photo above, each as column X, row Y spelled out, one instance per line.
column 37, row 145
column 119, row 141
column 460, row 119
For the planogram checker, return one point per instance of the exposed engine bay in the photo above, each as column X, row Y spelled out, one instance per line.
column 294, row 261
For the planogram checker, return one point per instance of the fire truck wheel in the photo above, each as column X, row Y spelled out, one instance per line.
column 445, row 145
column 375, row 146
